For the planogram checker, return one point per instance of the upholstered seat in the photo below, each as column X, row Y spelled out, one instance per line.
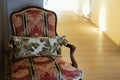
column 36, row 48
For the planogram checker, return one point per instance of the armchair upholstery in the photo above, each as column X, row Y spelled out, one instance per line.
column 32, row 27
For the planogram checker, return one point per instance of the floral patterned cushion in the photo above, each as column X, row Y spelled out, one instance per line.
column 37, row 46
column 44, row 68
column 39, row 69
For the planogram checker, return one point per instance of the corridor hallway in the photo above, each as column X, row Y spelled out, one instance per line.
column 97, row 56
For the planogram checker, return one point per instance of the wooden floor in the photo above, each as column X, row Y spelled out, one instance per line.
column 97, row 56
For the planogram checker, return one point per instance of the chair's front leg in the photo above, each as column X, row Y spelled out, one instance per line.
column 72, row 49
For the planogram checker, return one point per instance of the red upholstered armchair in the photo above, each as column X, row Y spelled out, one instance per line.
column 34, row 51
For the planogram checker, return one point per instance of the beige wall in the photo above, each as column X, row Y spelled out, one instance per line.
column 106, row 13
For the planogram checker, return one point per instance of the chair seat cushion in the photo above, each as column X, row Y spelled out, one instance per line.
column 43, row 68
column 68, row 71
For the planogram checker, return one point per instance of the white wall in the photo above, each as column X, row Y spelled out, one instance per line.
column 79, row 7
column 84, row 8
column 106, row 13
column 62, row 5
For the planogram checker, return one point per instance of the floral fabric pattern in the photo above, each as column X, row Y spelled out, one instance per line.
column 43, row 68
column 37, row 49
column 50, row 27
column 69, row 72
column 35, row 22
column 20, row 70
column 18, row 24
column 36, row 46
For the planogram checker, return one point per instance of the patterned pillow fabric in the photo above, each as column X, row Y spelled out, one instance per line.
column 37, row 46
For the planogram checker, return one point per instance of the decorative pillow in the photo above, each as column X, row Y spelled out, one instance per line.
column 36, row 46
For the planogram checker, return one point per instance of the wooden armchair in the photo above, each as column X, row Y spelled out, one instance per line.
column 35, row 48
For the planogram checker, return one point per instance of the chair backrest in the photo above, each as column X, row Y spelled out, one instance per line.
column 34, row 21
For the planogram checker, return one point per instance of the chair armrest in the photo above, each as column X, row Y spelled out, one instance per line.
column 72, row 49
